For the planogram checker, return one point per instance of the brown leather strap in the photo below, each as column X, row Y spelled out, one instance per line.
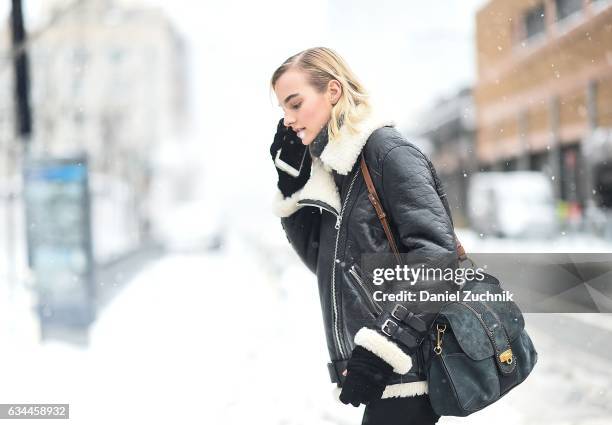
column 460, row 250
column 380, row 212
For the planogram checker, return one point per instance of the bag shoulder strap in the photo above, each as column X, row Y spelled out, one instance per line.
column 380, row 212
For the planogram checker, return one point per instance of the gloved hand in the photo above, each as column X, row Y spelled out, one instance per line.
column 366, row 377
column 288, row 184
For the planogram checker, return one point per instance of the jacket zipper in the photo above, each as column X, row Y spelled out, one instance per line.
column 333, row 288
column 375, row 308
column 310, row 204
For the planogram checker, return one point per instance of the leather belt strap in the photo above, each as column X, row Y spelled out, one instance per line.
column 386, row 323
column 402, row 314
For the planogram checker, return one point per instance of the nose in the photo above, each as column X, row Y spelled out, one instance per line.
column 289, row 120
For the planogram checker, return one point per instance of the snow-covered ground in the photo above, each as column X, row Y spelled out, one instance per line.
column 203, row 338
column 236, row 337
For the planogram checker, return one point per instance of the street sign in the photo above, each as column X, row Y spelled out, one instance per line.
column 59, row 240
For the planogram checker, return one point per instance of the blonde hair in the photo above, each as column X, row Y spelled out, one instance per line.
column 322, row 65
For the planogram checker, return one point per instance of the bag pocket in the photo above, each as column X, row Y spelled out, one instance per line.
column 458, row 384
column 477, row 383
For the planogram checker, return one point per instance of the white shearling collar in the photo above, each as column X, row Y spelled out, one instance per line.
column 341, row 152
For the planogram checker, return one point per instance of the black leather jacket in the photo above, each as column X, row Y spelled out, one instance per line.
column 330, row 223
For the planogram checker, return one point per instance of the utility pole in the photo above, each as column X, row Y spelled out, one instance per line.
column 20, row 61
column 23, row 125
column 20, row 58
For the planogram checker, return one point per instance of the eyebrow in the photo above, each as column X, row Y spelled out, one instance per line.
column 288, row 98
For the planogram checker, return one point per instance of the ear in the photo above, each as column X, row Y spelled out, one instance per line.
column 334, row 91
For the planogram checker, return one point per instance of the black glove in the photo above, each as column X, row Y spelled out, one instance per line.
column 366, row 378
column 288, row 184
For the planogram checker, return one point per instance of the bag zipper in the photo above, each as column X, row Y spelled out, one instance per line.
column 333, row 288
column 479, row 319
column 490, row 333
column 504, row 329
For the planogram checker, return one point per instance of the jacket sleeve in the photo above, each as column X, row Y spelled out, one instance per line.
column 422, row 222
column 411, row 199
column 302, row 230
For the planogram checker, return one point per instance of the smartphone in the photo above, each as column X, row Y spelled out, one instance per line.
column 290, row 157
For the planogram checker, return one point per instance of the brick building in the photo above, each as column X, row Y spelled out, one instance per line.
column 544, row 88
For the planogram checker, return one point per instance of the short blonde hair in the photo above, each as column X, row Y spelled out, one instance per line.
column 322, row 65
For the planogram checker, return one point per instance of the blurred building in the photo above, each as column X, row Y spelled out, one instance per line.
column 544, row 88
column 447, row 129
column 108, row 78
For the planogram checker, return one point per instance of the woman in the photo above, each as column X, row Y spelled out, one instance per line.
column 331, row 223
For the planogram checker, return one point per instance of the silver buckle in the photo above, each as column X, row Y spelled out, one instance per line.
column 394, row 312
column 386, row 325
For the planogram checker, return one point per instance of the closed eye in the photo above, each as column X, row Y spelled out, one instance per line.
column 296, row 106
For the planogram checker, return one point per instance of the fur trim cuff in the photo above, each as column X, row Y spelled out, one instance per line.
column 406, row 389
column 319, row 187
column 284, row 207
column 385, row 349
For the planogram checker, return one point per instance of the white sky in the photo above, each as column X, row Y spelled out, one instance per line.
column 406, row 53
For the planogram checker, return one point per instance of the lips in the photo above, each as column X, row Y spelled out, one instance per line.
column 301, row 133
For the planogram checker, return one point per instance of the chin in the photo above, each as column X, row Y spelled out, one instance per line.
column 307, row 141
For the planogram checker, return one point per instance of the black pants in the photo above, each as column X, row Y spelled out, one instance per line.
column 415, row 410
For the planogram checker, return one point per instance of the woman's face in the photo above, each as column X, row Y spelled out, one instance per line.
column 306, row 110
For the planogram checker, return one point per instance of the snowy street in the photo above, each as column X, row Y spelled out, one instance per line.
column 194, row 338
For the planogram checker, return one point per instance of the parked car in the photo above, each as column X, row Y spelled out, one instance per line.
column 512, row 204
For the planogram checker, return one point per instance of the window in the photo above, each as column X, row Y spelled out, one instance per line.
column 566, row 8
column 603, row 184
column 538, row 161
column 600, row 3
column 116, row 55
column 80, row 56
column 534, row 21
column 510, row 164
